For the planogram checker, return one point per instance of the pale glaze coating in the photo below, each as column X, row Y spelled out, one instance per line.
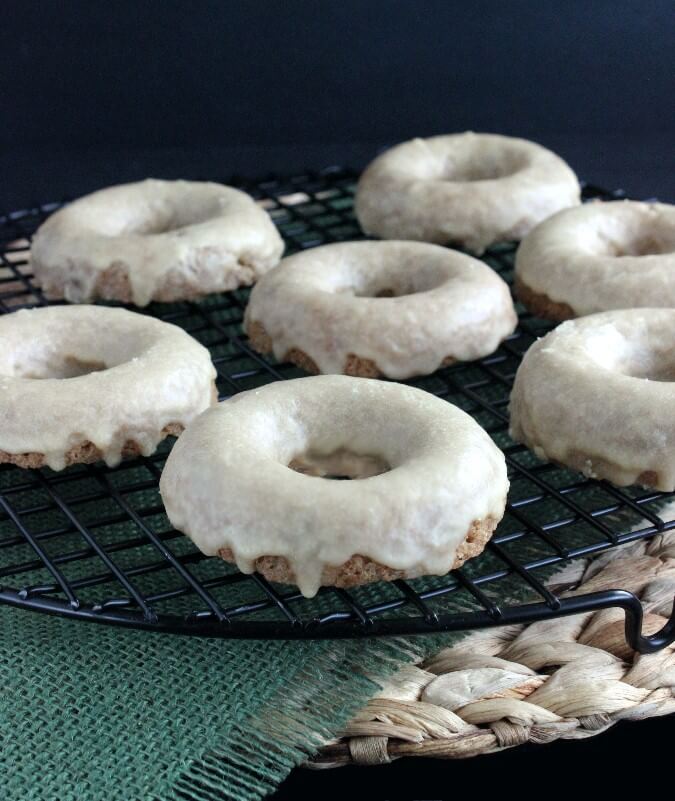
column 602, row 256
column 598, row 393
column 324, row 302
column 469, row 189
column 164, row 239
column 74, row 374
column 227, row 483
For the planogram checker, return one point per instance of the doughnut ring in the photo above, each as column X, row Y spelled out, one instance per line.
column 154, row 240
column 370, row 309
column 83, row 383
column 598, row 257
column 467, row 189
column 249, row 481
column 597, row 394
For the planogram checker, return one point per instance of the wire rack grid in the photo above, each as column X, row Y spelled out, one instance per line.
column 93, row 543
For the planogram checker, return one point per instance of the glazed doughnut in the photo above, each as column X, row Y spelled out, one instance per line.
column 79, row 383
column 330, row 309
column 467, row 189
column 597, row 394
column 249, row 481
column 154, row 240
column 597, row 257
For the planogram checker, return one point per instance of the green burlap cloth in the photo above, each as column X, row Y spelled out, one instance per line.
column 92, row 712
column 96, row 713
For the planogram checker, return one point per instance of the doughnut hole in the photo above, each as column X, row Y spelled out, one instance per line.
column 391, row 280
column 69, row 353
column 340, row 464
column 652, row 369
column 632, row 236
column 471, row 162
column 466, row 161
column 348, row 447
column 473, row 170
column 66, row 367
column 401, row 290
column 640, row 357
column 643, row 245
column 133, row 215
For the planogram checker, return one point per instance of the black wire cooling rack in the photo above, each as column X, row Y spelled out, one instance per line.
column 94, row 544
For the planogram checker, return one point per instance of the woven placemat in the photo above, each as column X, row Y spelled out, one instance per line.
column 569, row 678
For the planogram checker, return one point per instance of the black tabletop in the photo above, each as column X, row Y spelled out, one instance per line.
column 621, row 761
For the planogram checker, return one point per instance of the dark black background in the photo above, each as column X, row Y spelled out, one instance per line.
column 93, row 93
column 98, row 92
column 274, row 72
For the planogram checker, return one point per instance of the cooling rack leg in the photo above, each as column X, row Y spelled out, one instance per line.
column 606, row 599
column 645, row 644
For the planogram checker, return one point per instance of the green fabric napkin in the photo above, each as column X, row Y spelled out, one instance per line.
column 98, row 713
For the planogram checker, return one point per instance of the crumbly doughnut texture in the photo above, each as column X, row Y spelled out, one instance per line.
column 355, row 366
column 254, row 480
column 597, row 394
column 84, row 453
column 79, row 383
column 597, row 257
column 360, row 570
column 154, row 241
column 540, row 304
column 467, row 189
column 372, row 309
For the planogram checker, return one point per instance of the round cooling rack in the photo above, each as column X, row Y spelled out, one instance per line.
column 94, row 544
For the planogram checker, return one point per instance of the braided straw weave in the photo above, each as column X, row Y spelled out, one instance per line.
column 568, row 678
